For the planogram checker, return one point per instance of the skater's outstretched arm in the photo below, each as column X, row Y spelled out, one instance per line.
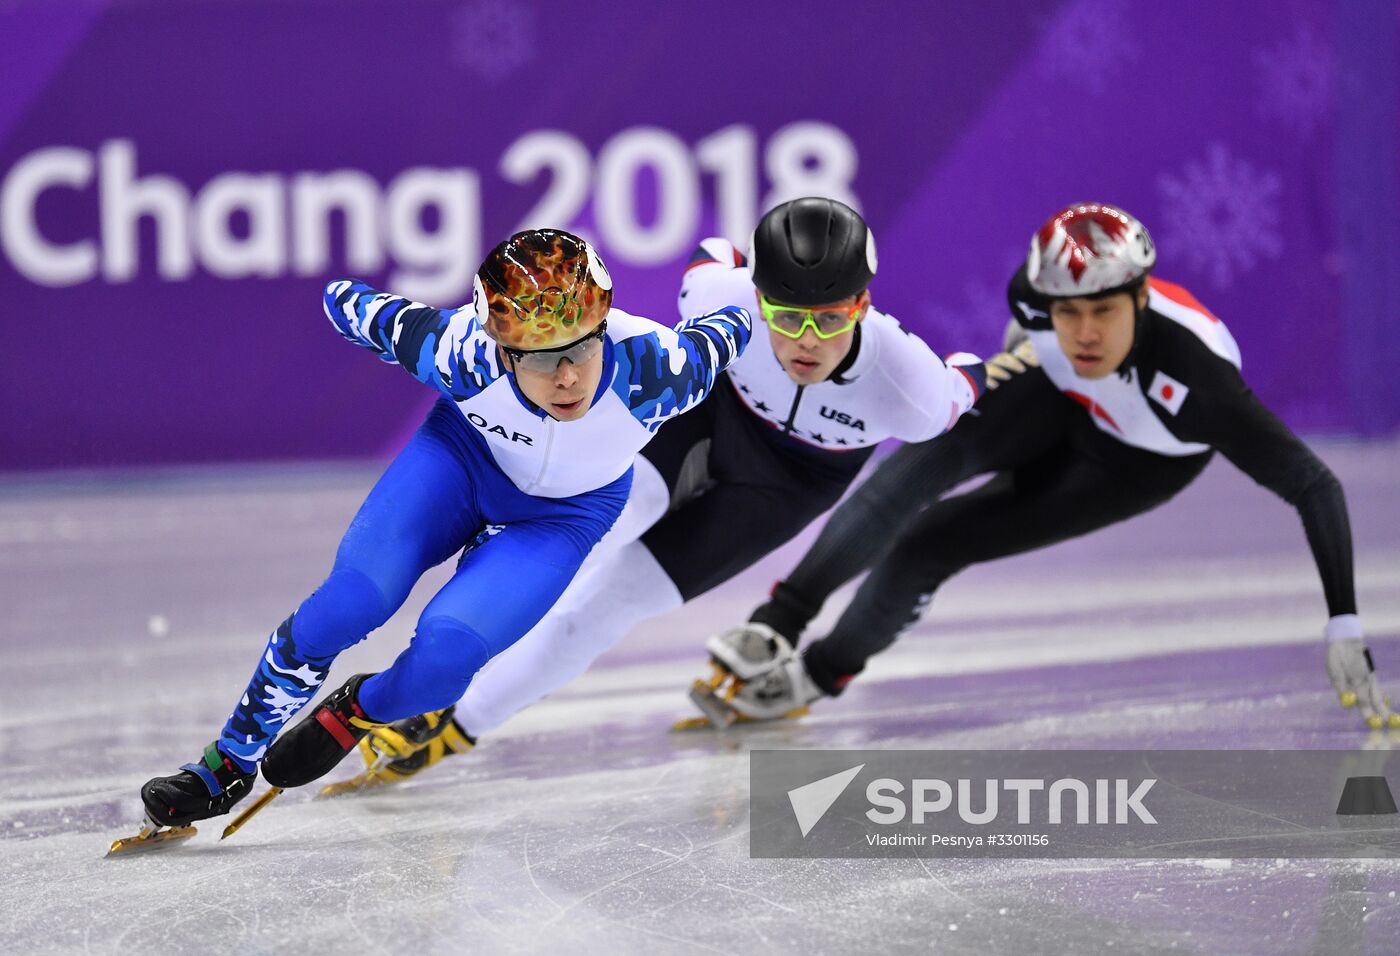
column 444, row 348
column 1221, row 410
column 666, row 372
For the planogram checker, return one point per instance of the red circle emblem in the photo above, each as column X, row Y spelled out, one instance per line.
column 1167, row 392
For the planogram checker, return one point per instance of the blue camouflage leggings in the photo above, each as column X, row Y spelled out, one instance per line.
column 442, row 493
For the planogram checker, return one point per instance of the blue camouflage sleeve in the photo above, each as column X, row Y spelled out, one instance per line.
column 446, row 349
column 670, row 371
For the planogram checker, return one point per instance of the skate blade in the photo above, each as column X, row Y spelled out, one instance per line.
column 716, row 711
column 704, row 723
column 247, row 814
column 718, row 675
column 371, row 776
column 364, row 781
column 150, row 838
column 691, row 723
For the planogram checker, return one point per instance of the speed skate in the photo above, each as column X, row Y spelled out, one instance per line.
column 754, row 676
column 1042, row 671
column 714, row 696
column 396, row 752
column 153, row 836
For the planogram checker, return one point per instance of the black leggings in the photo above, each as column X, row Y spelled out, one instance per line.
column 739, row 490
column 1055, row 477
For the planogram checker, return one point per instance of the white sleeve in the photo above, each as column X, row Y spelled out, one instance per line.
column 711, row 262
column 934, row 395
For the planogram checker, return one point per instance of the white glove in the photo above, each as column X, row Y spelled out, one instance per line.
column 1354, row 677
column 1003, row 365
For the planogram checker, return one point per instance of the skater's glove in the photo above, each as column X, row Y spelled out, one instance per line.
column 1002, row 366
column 1354, row 676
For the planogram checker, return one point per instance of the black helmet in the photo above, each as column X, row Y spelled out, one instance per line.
column 812, row 251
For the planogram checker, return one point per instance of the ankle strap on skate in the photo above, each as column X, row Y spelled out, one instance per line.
column 343, row 727
column 208, row 770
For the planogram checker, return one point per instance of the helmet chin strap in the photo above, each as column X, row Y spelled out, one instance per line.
column 1125, row 368
column 838, row 373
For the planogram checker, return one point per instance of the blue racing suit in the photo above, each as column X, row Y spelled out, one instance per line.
column 525, row 495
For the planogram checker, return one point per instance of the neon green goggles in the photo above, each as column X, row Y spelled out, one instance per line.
column 794, row 320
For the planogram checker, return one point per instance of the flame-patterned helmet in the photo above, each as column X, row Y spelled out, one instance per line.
column 540, row 289
column 1088, row 249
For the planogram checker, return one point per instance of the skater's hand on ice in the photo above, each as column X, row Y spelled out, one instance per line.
column 1354, row 677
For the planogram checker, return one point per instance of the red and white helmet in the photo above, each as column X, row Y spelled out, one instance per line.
column 1089, row 248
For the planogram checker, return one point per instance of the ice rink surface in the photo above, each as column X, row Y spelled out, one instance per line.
column 132, row 611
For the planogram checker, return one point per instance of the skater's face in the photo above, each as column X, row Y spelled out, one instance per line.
column 566, row 392
column 1096, row 335
column 809, row 359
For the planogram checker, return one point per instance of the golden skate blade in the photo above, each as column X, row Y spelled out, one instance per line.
column 247, row 814
column 712, row 707
column 151, row 839
column 718, row 675
column 692, row 723
column 365, row 781
column 704, row 723
column 368, row 778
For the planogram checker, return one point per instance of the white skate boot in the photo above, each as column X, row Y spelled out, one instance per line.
column 755, row 675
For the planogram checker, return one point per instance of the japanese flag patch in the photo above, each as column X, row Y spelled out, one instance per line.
column 1167, row 392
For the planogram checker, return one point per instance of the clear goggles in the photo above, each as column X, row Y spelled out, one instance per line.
column 547, row 360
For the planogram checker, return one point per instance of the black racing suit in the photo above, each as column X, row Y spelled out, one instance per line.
column 740, row 489
column 1056, row 475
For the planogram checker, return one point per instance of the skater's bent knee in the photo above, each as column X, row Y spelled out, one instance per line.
column 456, row 650
column 341, row 612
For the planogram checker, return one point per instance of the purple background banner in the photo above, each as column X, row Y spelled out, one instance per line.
column 178, row 181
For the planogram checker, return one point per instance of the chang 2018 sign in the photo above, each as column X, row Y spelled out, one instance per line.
column 425, row 222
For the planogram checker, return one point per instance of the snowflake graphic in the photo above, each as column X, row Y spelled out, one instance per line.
column 1220, row 215
column 977, row 324
column 973, row 326
column 1296, row 78
column 1086, row 50
column 1090, row 47
column 493, row 38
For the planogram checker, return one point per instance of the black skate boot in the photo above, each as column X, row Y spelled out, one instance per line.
column 321, row 740
column 200, row 790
